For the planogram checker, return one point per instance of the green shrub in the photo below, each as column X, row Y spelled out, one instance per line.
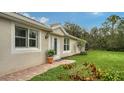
column 111, row 76
column 68, row 66
column 83, row 53
column 87, row 72
column 80, row 44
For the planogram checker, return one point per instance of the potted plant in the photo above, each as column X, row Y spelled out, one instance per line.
column 50, row 54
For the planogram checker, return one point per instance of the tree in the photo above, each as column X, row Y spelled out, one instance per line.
column 81, row 44
column 113, row 20
column 121, row 34
column 121, row 25
column 74, row 29
column 94, row 34
column 112, row 42
column 110, row 35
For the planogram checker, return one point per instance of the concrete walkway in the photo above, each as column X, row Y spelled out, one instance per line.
column 33, row 71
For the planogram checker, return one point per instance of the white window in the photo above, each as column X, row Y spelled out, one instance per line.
column 66, row 44
column 33, row 38
column 21, row 37
column 25, row 38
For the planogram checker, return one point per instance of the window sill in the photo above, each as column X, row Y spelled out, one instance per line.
column 25, row 50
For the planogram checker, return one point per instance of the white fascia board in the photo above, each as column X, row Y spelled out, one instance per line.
column 25, row 20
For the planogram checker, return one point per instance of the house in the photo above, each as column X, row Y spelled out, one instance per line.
column 24, row 42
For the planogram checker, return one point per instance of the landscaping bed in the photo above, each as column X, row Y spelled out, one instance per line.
column 96, row 65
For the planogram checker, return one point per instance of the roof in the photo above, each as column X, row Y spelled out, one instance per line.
column 58, row 26
column 25, row 20
column 28, row 21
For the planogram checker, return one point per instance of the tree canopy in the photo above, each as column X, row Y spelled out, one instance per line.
column 109, row 36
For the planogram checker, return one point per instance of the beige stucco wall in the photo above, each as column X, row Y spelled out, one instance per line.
column 73, row 48
column 12, row 62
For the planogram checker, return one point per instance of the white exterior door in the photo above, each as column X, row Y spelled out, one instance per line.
column 56, row 47
column 54, row 43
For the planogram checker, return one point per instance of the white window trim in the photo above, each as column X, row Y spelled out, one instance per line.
column 37, row 39
column 15, row 50
column 50, row 42
column 67, row 51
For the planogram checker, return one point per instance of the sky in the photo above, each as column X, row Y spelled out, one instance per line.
column 86, row 20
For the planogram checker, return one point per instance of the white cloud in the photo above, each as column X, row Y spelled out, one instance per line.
column 97, row 13
column 28, row 15
column 40, row 19
column 44, row 20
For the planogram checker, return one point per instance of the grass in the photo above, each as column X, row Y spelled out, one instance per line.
column 105, row 60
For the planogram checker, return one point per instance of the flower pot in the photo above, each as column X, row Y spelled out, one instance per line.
column 50, row 60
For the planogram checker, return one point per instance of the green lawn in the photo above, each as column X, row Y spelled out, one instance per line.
column 105, row 60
